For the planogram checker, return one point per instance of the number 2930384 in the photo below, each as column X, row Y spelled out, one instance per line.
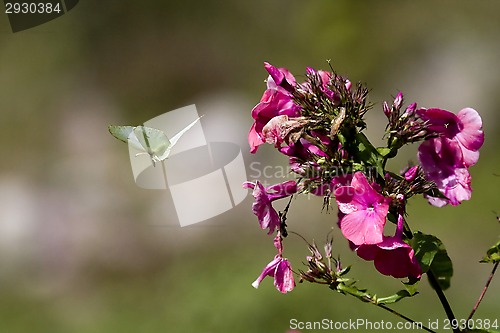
column 32, row 8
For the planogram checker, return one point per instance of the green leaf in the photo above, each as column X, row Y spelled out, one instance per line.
column 394, row 298
column 442, row 268
column 426, row 247
column 367, row 153
column 410, row 290
column 384, row 151
column 431, row 254
column 493, row 254
column 411, row 285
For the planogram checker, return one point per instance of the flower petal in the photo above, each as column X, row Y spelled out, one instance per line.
column 392, row 257
column 363, row 227
column 472, row 136
column 441, row 121
column 262, row 208
column 254, row 139
column 267, row 271
column 281, row 190
column 283, row 277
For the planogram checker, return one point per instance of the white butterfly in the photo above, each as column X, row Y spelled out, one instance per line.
column 148, row 140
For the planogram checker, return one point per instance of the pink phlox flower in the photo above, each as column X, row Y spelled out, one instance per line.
column 262, row 207
column 465, row 128
column 365, row 211
column 441, row 162
column 279, row 78
column 273, row 103
column 445, row 159
column 281, row 270
column 392, row 256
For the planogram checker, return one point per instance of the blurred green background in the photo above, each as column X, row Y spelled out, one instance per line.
column 84, row 250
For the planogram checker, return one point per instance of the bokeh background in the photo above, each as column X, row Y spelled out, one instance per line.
column 83, row 249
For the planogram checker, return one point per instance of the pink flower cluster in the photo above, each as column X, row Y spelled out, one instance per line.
column 318, row 125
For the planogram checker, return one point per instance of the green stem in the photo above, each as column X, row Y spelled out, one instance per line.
column 368, row 299
column 442, row 298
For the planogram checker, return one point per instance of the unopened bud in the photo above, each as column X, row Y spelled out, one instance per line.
column 387, row 110
column 398, row 101
column 348, row 84
column 410, row 111
column 411, row 173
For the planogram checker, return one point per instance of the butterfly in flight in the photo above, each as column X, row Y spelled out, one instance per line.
column 149, row 141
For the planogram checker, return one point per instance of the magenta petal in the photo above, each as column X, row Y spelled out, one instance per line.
column 392, row 257
column 365, row 211
column 437, row 202
column 362, row 227
column 365, row 196
column 282, row 190
column 367, row 252
column 471, row 137
column 344, row 196
column 248, row 185
column 280, row 76
column 267, row 271
column 262, row 208
column 470, row 157
column 343, row 180
column 393, row 264
column 457, row 187
column 275, row 73
column 254, row 139
column 396, row 258
column 283, row 277
column 439, row 157
column 441, row 121
column 265, row 101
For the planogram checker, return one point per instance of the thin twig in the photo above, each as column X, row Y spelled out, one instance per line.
column 405, row 318
column 485, row 289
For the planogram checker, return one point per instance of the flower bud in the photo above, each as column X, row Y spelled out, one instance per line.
column 398, row 101
column 387, row 110
column 411, row 173
column 410, row 111
column 348, row 84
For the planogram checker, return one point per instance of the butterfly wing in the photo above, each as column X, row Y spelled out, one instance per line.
column 176, row 138
column 127, row 135
column 153, row 139
column 121, row 132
